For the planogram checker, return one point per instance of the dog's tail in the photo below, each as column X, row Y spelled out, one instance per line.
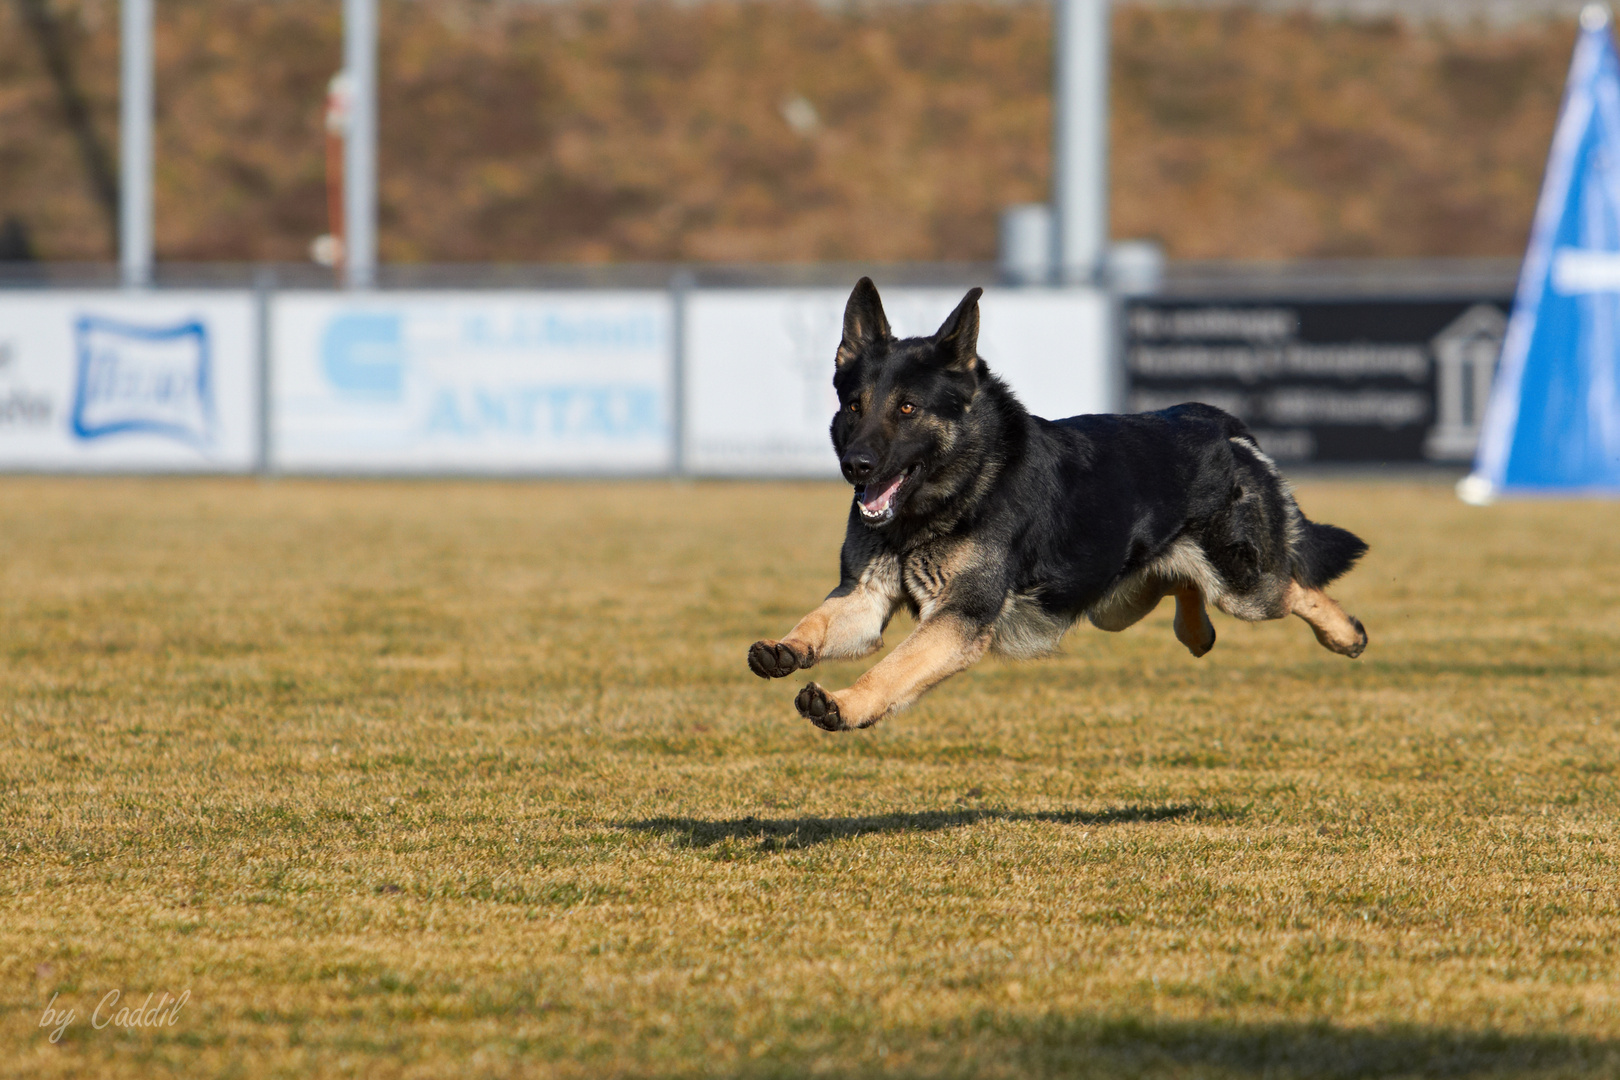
column 1323, row 553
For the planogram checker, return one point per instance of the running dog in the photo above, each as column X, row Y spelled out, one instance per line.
column 998, row 530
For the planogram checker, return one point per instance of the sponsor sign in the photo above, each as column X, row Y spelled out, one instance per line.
column 1329, row 381
column 419, row 382
column 128, row 381
column 759, row 365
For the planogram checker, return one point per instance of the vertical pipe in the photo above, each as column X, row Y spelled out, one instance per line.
column 264, row 285
column 360, row 143
column 135, row 143
column 1080, row 139
column 680, row 288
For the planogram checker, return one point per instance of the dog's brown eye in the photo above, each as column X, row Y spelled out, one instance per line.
column 908, row 408
column 854, row 406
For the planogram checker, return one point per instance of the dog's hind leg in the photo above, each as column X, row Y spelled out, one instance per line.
column 936, row 650
column 1193, row 628
column 1337, row 631
column 1128, row 603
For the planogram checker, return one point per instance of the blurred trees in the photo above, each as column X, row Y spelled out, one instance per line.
column 784, row 131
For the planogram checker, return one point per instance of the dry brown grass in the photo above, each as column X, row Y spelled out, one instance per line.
column 434, row 779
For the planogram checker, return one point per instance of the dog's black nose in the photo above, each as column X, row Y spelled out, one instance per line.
column 858, row 466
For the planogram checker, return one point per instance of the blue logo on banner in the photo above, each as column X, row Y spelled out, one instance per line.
column 361, row 355
column 512, row 373
column 147, row 379
column 1553, row 422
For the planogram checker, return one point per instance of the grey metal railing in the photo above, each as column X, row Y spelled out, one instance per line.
column 1215, row 278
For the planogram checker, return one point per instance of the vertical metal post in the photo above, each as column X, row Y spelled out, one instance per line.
column 264, row 285
column 360, row 143
column 1026, row 244
column 135, row 143
column 1080, row 139
column 680, row 285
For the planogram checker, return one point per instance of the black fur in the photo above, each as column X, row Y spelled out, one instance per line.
column 1326, row 555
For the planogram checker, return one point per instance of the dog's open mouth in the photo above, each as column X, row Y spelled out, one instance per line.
column 879, row 501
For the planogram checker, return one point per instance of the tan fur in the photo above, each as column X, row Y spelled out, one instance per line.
column 929, row 569
column 1023, row 631
column 943, row 432
column 936, row 650
column 1185, row 566
column 850, row 627
column 1128, row 603
column 1333, row 628
column 1193, row 628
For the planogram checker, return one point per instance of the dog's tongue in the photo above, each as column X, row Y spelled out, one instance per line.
column 876, row 501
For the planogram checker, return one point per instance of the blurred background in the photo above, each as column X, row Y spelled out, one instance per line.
column 785, row 131
column 1309, row 213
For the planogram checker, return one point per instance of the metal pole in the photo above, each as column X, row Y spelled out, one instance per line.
column 264, row 285
column 135, row 143
column 680, row 286
column 360, row 143
column 1080, row 139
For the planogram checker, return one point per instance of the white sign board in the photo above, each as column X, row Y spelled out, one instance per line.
column 504, row 382
column 759, row 365
column 126, row 381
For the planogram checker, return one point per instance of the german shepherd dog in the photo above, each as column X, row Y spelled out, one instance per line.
column 998, row 530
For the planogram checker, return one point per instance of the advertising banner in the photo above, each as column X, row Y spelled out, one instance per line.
column 1328, row 381
column 759, row 365
column 124, row 381
column 488, row 382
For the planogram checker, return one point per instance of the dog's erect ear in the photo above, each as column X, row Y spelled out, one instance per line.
column 864, row 321
column 957, row 341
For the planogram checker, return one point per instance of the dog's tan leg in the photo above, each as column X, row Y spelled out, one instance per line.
column 842, row 628
column 1342, row 633
column 937, row 649
column 1193, row 628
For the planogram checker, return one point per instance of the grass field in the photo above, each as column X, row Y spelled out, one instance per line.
column 471, row 779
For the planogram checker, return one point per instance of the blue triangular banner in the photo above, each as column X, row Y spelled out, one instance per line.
column 1553, row 421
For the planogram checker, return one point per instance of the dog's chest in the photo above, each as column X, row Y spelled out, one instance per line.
column 1022, row 628
column 926, row 574
column 930, row 573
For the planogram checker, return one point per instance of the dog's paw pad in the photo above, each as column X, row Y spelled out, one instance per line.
column 818, row 707
column 1203, row 648
column 1361, row 645
column 773, row 659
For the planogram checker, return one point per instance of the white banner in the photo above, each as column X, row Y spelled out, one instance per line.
column 125, row 381
column 501, row 382
column 759, row 365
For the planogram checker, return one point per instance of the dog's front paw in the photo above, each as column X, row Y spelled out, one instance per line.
column 775, row 659
column 818, row 707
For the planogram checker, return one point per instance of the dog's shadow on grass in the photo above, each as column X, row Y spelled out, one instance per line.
column 773, row 834
column 1055, row 1045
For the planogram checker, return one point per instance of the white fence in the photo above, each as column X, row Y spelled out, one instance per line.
column 716, row 382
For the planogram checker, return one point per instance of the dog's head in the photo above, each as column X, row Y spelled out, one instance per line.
column 901, row 402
